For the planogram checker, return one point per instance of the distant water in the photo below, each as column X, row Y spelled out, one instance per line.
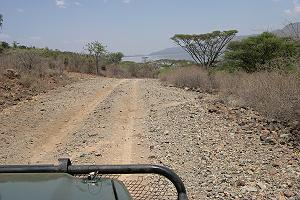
column 139, row 59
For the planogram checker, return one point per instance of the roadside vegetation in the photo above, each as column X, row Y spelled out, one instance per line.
column 262, row 72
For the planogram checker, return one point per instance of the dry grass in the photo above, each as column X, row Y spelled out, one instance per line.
column 147, row 70
column 132, row 71
column 277, row 95
column 191, row 77
column 35, row 74
column 115, row 71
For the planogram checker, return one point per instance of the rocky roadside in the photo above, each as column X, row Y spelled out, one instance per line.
column 221, row 152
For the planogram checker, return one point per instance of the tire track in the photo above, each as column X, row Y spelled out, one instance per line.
column 59, row 131
column 119, row 137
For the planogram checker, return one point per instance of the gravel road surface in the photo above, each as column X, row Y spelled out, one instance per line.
column 133, row 121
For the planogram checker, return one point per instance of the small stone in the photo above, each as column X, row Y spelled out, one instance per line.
column 286, row 136
column 288, row 193
column 98, row 154
column 212, row 110
column 261, row 185
column 152, row 157
column 281, row 196
column 270, row 140
column 240, row 183
column 273, row 172
column 11, row 74
column 276, row 164
column 250, row 189
column 82, row 155
column 289, row 184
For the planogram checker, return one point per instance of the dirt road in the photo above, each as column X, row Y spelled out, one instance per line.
column 94, row 121
column 123, row 121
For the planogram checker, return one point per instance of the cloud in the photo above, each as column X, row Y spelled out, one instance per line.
column 20, row 10
column 295, row 10
column 65, row 3
column 123, row 1
column 61, row 3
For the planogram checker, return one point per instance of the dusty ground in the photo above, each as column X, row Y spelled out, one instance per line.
column 120, row 121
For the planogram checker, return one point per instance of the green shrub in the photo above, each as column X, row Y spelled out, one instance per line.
column 115, row 58
column 164, row 69
column 261, row 52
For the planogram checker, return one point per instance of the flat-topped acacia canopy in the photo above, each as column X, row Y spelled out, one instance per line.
column 206, row 48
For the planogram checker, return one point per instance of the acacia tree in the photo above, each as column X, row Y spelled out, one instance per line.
column 205, row 49
column 97, row 50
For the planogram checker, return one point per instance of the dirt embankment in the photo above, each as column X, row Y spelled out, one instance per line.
column 15, row 87
column 122, row 121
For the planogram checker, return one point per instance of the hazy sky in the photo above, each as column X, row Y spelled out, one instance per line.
column 135, row 26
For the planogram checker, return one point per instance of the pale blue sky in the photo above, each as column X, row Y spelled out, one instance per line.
column 135, row 26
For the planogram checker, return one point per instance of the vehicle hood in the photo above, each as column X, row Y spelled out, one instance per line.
column 59, row 186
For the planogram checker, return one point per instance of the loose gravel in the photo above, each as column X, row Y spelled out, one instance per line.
column 219, row 151
column 216, row 158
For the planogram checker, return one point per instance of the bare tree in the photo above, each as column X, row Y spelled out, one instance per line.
column 205, row 49
column 28, row 59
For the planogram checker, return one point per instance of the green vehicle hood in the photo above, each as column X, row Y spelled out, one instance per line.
column 59, row 186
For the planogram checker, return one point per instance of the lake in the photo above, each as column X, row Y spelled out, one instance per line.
column 139, row 59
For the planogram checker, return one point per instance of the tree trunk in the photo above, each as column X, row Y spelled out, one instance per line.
column 97, row 65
